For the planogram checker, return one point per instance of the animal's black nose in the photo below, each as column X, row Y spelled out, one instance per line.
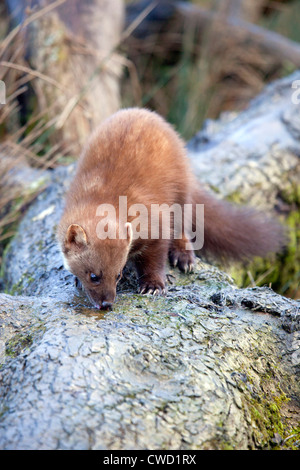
column 106, row 305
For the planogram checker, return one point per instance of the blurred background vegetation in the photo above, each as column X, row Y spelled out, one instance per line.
column 178, row 61
column 189, row 76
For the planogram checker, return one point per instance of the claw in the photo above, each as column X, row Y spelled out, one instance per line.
column 152, row 288
column 191, row 268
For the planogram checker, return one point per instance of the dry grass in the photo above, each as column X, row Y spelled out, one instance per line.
column 23, row 139
column 189, row 75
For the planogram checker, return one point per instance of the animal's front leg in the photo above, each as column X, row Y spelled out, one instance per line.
column 151, row 266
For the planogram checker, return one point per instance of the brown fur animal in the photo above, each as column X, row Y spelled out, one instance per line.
column 136, row 154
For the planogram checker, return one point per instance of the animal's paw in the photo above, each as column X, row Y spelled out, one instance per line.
column 152, row 285
column 183, row 259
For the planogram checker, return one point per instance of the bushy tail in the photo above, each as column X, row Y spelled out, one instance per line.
column 237, row 233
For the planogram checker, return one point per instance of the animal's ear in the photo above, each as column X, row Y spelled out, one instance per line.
column 75, row 237
column 129, row 233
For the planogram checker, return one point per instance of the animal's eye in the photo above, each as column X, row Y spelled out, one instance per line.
column 94, row 278
column 118, row 277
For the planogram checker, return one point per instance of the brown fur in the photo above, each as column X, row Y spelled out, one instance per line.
column 135, row 153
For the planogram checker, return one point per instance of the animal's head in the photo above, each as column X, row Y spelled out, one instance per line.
column 98, row 264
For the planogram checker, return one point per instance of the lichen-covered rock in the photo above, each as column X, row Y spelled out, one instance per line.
column 176, row 373
column 208, row 366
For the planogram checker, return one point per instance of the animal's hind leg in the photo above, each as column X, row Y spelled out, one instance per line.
column 181, row 254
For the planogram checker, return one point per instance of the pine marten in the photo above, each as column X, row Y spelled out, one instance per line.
column 137, row 157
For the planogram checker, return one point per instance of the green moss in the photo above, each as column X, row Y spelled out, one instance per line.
column 291, row 195
column 235, row 198
column 267, row 418
column 292, row 440
column 17, row 344
column 267, row 409
column 23, row 340
column 16, row 289
column 226, row 446
column 20, row 286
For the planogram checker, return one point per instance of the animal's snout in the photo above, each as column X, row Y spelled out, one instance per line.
column 106, row 305
column 107, row 299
